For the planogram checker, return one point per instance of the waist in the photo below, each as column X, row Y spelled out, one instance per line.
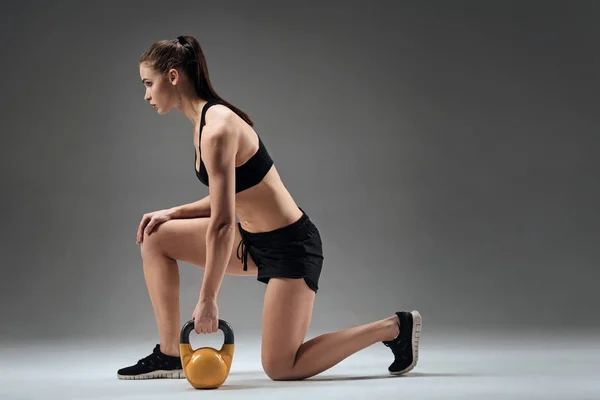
column 285, row 233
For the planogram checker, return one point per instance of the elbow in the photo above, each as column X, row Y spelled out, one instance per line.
column 222, row 227
column 220, row 233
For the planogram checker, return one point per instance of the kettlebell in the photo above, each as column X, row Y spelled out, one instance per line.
column 206, row 368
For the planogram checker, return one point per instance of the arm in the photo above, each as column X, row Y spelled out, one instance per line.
column 219, row 147
column 200, row 208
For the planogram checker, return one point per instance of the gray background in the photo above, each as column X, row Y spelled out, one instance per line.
column 447, row 151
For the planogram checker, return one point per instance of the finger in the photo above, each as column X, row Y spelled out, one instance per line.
column 143, row 223
column 150, row 226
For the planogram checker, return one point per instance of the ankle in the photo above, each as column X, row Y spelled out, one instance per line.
column 172, row 351
column 392, row 327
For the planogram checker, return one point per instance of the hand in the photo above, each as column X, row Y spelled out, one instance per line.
column 206, row 316
column 150, row 221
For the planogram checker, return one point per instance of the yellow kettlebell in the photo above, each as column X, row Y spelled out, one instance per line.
column 206, row 368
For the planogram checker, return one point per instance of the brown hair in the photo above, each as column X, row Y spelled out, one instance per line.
column 185, row 52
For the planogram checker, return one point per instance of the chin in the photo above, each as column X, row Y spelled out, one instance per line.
column 162, row 111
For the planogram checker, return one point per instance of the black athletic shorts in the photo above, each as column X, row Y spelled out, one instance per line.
column 293, row 251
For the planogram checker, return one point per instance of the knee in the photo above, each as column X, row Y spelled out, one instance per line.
column 152, row 243
column 277, row 370
column 276, row 374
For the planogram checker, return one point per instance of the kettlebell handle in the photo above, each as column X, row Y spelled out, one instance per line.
column 188, row 327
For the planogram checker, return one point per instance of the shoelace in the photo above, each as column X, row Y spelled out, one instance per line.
column 150, row 360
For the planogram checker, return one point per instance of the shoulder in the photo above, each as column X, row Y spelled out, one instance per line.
column 219, row 114
column 220, row 120
column 220, row 131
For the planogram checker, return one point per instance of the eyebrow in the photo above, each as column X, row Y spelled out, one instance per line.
column 145, row 79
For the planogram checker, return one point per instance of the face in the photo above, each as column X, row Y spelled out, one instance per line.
column 161, row 90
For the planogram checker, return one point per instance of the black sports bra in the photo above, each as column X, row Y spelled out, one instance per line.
column 247, row 175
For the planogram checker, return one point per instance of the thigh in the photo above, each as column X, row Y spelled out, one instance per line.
column 185, row 240
column 287, row 313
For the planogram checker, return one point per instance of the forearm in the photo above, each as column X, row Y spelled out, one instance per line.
column 200, row 208
column 219, row 243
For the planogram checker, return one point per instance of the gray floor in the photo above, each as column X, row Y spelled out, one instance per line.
column 532, row 366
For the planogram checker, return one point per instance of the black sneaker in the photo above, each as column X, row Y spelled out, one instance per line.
column 156, row 365
column 406, row 345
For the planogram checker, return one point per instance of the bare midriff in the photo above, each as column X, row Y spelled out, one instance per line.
column 267, row 205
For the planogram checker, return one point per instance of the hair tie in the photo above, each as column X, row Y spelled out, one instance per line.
column 181, row 40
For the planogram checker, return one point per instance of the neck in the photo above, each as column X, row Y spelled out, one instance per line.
column 192, row 109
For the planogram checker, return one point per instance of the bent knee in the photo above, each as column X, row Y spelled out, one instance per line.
column 276, row 374
column 278, row 370
column 154, row 242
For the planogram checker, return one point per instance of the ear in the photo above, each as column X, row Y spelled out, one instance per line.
column 173, row 75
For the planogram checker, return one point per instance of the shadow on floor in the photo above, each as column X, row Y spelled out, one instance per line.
column 265, row 383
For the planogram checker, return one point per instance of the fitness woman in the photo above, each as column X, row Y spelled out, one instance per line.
column 275, row 240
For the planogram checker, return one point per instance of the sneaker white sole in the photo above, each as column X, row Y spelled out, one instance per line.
column 158, row 374
column 416, row 336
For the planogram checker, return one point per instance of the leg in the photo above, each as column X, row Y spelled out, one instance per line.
column 179, row 239
column 286, row 317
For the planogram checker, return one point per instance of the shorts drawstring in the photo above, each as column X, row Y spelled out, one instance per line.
column 244, row 256
column 293, row 251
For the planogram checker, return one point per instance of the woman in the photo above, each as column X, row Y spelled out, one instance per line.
column 275, row 239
